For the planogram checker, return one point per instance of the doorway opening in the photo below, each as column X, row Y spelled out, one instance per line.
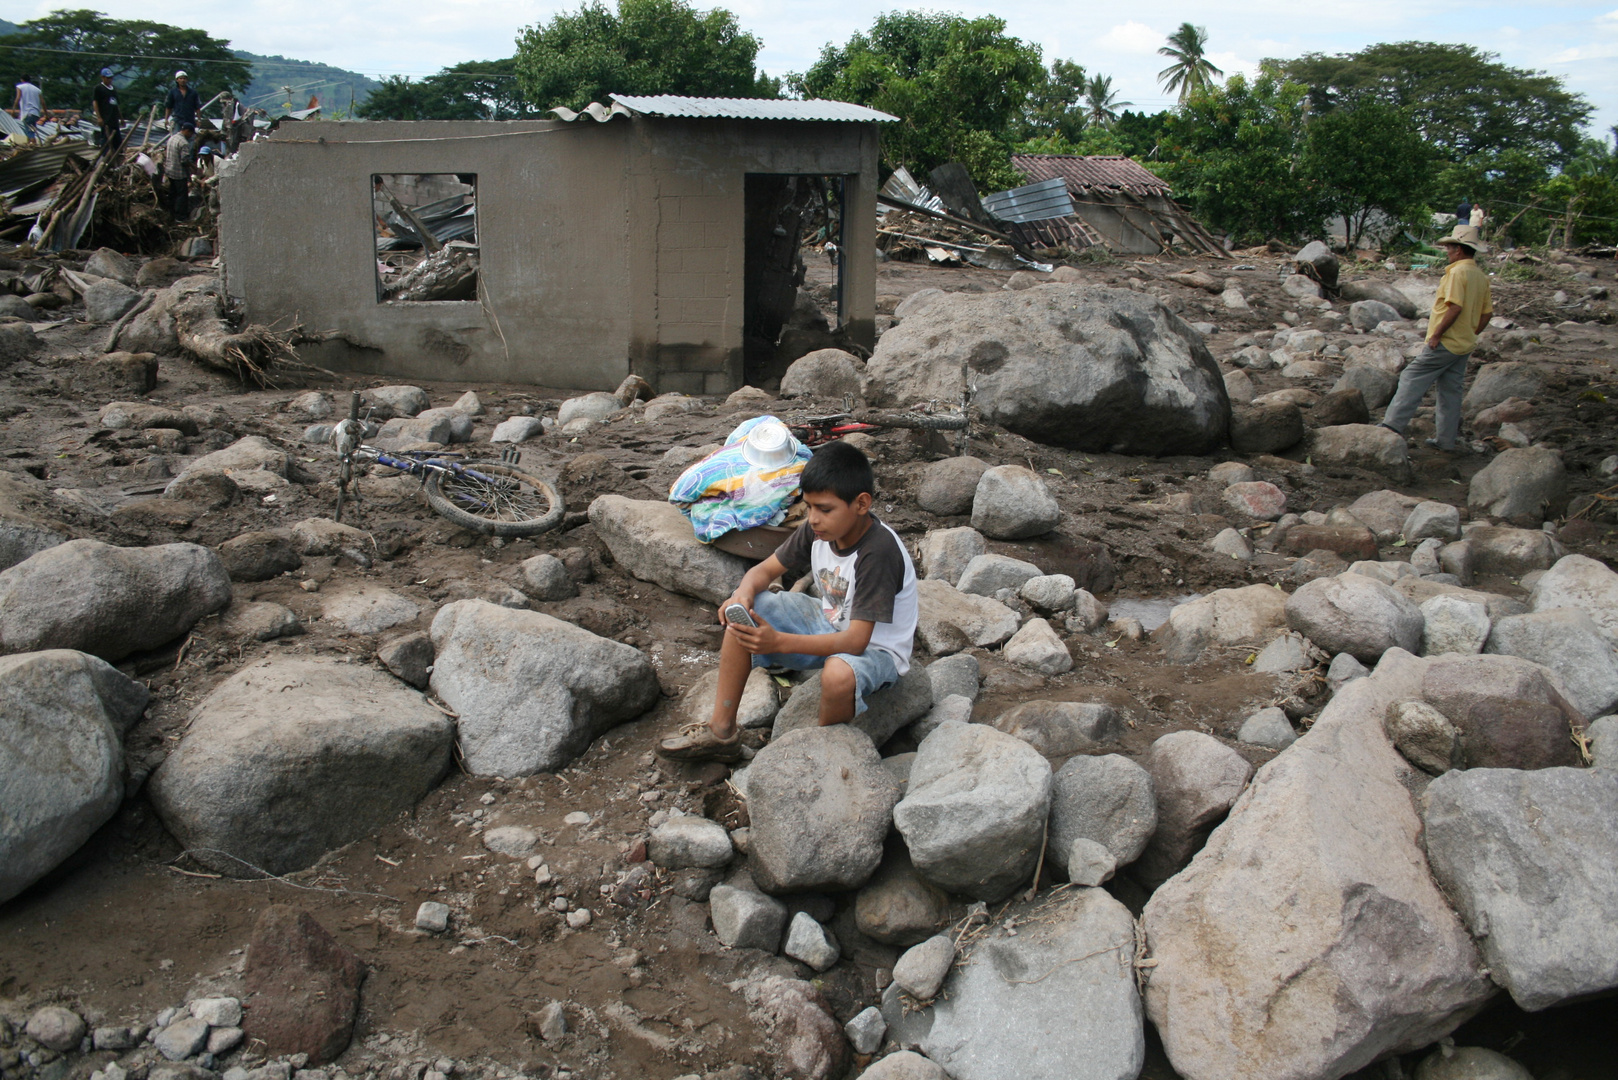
column 793, row 274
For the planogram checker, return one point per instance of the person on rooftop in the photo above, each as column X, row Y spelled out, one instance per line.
column 30, row 106
column 183, row 103
column 107, row 113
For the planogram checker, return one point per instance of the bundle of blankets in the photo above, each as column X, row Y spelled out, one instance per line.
column 725, row 491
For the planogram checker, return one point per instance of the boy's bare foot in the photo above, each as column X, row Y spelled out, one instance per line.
column 697, row 742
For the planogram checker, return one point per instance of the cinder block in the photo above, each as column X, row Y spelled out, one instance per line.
column 678, row 382
column 720, row 382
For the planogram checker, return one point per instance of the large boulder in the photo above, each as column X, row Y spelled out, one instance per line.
column 532, row 691
column 1071, row 365
column 886, row 711
column 1109, row 799
column 1531, row 861
column 1495, row 383
column 1372, row 289
column 1568, row 643
column 1055, row 1002
column 1369, row 314
column 305, row 989
column 949, row 620
column 1195, row 779
column 821, row 804
column 949, row 485
column 898, row 906
column 1523, row 482
column 1355, row 614
column 1012, row 503
column 1577, row 581
column 1059, row 728
column 1307, row 939
column 653, row 540
column 945, row 553
column 825, row 373
column 1267, row 428
column 62, row 719
column 1375, row 384
column 108, row 601
column 1320, row 260
column 1223, row 617
column 986, row 575
column 1510, row 711
column 293, row 757
column 1500, row 549
column 26, row 525
column 246, row 455
column 975, row 810
column 1361, row 446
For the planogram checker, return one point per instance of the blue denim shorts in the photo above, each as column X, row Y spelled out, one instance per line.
column 799, row 613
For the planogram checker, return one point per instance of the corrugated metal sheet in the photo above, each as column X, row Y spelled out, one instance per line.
column 32, row 166
column 749, row 108
column 1032, row 202
column 1111, row 173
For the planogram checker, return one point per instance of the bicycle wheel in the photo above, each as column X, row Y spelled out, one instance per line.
column 919, row 421
column 495, row 499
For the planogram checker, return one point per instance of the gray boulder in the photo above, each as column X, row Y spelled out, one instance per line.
column 1372, row 289
column 1523, row 482
column 108, row 601
column 26, row 522
column 1038, row 647
column 1011, row 503
column 545, row 577
column 1495, row 383
column 954, row 676
column 1355, row 614
column 1223, row 617
column 1061, row 728
column 898, row 906
column 62, row 719
column 254, row 453
column 758, row 706
column 1362, row 446
column 821, row 804
column 1073, row 958
column 106, row 301
column 1369, row 314
column 1577, row 581
column 808, row 941
column 685, row 842
column 387, row 402
column 1050, row 592
column 944, row 554
column 291, row 758
column 746, row 919
column 1196, row 779
column 1266, row 427
column 106, row 263
column 975, row 810
column 1245, row 984
column 949, row 620
column 904, row 1065
column 532, row 691
column 1453, row 624
column 1469, row 1063
column 517, row 429
column 948, row 486
column 921, row 971
column 1089, row 368
column 827, row 373
column 1424, row 736
column 1531, row 876
column 1432, row 520
column 1268, row 728
column 1500, row 549
column 1375, row 384
column 986, row 575
column 887, row 711
column 653, row 541
column 1109, row 799
column 1510, row 711
column 1320, row 259
column 1567, row 642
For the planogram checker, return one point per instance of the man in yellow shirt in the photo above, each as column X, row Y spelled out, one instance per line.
column 1460, row 312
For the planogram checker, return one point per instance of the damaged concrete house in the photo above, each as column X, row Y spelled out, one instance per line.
column 647, row 237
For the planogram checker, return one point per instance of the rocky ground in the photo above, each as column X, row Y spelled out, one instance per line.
column 550, row 896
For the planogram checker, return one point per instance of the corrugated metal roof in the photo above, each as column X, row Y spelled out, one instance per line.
column 1038, row 201
column 1114, row 173
column 35, row 165
column 749, row 108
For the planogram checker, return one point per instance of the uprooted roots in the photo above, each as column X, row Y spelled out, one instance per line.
column 255, row 354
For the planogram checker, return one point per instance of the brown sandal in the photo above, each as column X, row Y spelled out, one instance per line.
column 697, row 742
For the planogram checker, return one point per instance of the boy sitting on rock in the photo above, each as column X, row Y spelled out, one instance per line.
column 860, row 630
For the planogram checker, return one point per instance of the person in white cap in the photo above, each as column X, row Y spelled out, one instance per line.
column 1461, row 311
column 183, row 103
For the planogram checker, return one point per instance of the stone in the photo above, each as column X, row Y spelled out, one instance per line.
column 56, row 1028
column 1232, row 472
column 304, row 987
column 1049, row 592
column 1062, row 728
column 946, row 553
column 666, row 405
column 1375, row 384
column 544, row 577
column 821, row 804
column 1576, row 581
column 956, row 709
column 1073, row 956
column 182, row 1038
column 218, row 1011
column 28, row 522
column 1510, row 712
column 532, row 692
column 1235, row 300
column 403, row 431
column 1346, row 405
column 898, row 906
column 211, row 490
column 824, row 373
column 1108, row 799
column 1266, row 427
column 1354, row 614
column 1239, row 387
column 974, row 810
column 1523, row 482
column 367, row 609
column 388, row 402
column 1037, row 646
column 1012, row 503
column 1425, row 559
column 1361, row 446
column 1388, row 573
column 259, row 556
column 865, row 1031
column 921, row 971
column 1383, row 512
column 1567, row 642
column 1342, row 670
column 687, row 842
column 432, row 917
column 1089, row 613
column 259, row 622
column 108, row 601
column 808, row 941
column 1346, row 541
column 1252, row 358
column 106, row 301
column 1057, row 365
column 1529, row 875
column 313, row 405
column 1451, row 624
column 1369, row 314
column 138, row 415
column 598, row 407
column 1603, row 734
column 334, row 751
column 253, row 453
column 1196, row 779
column 1469, row 1063
column 1268, row 728
column 653, row 541
column 986, row 575
column 758, row 706
column 1257, row 499
column 1494, row 383
column 1246, row 984
column 1498, row 549
column 515, row 841
column 949, row 485
column 1432, row 520
column 807, row 1041
column 1373, row 289
column 1319, row 258
column 1306, row 369
column 1299, row 285
column 460, row 424
column 1424, row 736
column 887, row 710
column 745, row 919
column 1289, row 652
column 1089, row 864
column 949, row 620
column 517, row 429
column 1223, row 617
column 409, row 657
column 106, row 263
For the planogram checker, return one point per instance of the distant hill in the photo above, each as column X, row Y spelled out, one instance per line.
column 8, row 28
column 335, row 87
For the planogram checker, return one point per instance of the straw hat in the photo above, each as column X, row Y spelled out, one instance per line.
column 770, row 446
column 1467, row 236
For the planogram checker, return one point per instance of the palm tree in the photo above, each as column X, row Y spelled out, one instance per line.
column 1101, row 101
column 1190, row 72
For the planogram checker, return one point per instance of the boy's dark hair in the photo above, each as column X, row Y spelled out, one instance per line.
column 840, row 469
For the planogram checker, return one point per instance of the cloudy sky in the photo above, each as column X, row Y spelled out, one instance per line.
column 1569, row 38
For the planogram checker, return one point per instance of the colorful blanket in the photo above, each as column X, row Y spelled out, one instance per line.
column 725, row 491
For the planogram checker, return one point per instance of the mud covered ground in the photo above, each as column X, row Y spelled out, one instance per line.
column 129, row 926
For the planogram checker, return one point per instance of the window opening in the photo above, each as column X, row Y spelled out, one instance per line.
column 425, row 226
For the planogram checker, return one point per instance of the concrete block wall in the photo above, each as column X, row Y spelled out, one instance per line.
column 699, row 256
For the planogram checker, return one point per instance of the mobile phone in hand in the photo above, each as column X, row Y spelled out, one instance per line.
column 737, row 613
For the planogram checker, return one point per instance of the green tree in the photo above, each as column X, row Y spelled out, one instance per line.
column 957, row 85
column 1139, row 135
column 1190, row 73
column 68, row 49
column 1054, row 112
column 475, row 90
column 1236, row 153
column 1580, row 204
column 645, row 47
column 1367, row 161
column 1101, row 102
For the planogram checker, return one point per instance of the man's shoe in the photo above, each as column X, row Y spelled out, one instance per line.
column 697, row 742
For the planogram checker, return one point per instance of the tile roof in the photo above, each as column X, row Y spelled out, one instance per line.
column 1113, row 172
